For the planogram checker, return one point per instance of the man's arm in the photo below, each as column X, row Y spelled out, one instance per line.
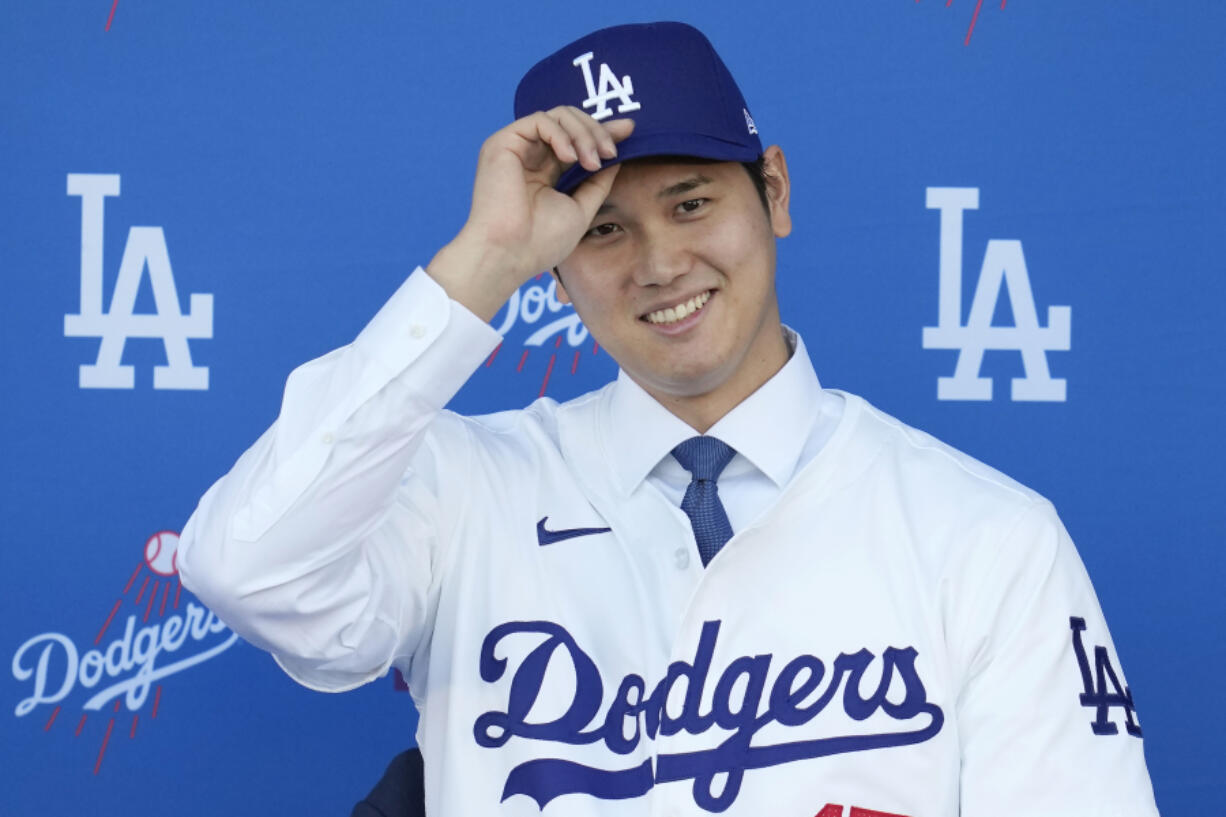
column 319, row 544
column 1046, row 719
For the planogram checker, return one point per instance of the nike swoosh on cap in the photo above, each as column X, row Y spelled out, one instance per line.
column 548, row 537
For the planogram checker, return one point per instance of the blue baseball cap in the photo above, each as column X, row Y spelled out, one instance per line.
column 665, row 76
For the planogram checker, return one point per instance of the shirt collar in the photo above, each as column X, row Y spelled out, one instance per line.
column 769, row 428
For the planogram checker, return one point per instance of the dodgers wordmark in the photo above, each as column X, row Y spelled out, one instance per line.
column 545, row 779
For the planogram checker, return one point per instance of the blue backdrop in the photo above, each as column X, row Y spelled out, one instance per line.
column 237, row 187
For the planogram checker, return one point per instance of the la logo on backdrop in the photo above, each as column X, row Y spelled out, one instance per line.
column 152, row 632
column 145, row 250
column 1004, row 266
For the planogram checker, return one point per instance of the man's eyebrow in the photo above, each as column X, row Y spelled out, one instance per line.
column 683, row 186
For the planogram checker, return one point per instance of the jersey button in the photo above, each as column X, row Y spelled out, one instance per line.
column 327, row 438
column 682, row 557
column 417, row 331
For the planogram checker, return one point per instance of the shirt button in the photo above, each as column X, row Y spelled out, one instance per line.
column 327, row 438
column 682, row 558
column 417, row 331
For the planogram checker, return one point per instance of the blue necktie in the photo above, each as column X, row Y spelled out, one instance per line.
column 705, row 458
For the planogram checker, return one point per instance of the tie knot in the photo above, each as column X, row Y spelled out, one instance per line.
column 704, row 457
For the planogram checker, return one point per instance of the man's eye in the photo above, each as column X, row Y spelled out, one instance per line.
column 602, row 229
column 691, row 205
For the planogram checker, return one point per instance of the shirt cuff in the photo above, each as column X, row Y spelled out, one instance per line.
column 442, row 339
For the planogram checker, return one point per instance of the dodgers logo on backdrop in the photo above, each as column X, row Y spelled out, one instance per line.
column 1003, row 266
column 145, row 249
column 535, row 308
column 161, row 635
column 610, row 87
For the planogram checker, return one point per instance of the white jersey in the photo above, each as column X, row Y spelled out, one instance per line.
column 904, row 632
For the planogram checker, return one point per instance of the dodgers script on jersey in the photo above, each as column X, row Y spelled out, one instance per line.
column 905, row 631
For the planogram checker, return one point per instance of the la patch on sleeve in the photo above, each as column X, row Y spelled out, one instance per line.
column 1102, row 690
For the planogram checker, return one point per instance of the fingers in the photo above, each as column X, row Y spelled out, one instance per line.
column 619, row 129
column 573, row 136
column 591, row 141
column 594, row 190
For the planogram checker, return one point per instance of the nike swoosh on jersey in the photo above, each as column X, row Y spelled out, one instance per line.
column 548, row 537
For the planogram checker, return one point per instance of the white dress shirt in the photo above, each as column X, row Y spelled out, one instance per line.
column 776, row 431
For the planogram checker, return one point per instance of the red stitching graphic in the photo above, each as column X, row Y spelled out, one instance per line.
column 974, row 17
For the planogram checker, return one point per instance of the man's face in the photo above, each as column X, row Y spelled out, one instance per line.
column 676, row 279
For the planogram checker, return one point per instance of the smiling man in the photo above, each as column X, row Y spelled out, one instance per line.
column 677, row 279
column 711, row 586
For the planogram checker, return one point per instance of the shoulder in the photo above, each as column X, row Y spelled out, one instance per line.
column 931, row 466
column 986, row 545
column 957, row 515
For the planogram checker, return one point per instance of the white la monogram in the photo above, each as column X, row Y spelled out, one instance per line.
column 145, row 250
column 610, row 87
column 1004, row 267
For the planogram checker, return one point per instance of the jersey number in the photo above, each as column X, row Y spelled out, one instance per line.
column 834, row 810
column 1097, row 695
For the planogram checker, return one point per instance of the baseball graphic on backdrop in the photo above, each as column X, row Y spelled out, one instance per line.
column 161, row 552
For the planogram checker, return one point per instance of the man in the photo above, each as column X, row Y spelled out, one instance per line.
column 710, row 586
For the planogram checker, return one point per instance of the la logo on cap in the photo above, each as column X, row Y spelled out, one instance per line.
column 610, row 87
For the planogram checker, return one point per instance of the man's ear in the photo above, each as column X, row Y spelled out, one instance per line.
column 778, row 190
column 559, row 290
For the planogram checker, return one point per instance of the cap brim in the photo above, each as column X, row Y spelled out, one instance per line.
column 693, row 145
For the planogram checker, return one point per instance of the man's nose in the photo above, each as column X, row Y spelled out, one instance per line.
column 662, row 259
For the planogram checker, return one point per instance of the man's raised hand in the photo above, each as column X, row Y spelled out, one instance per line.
column 519, row 225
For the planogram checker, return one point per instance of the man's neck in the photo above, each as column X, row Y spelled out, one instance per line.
column 702, row 411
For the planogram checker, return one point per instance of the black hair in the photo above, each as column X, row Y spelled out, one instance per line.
column 756, row 170
column 757, row 174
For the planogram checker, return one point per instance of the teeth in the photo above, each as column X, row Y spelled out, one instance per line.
column 675, row 313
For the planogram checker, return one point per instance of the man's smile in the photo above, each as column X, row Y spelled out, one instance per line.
column 678, row 312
